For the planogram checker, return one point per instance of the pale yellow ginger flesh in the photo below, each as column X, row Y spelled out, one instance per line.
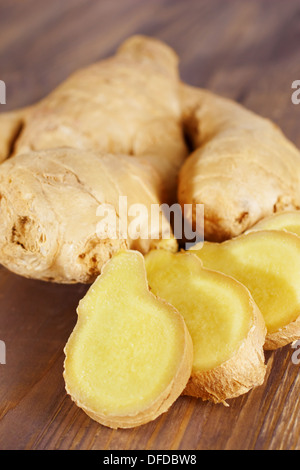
column 226, row 326
column 289, row 221
column 268, row 264
column 130, row 354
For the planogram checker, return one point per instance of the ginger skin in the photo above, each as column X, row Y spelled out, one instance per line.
column 242, row 169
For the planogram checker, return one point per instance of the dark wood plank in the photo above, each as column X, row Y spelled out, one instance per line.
column 245, row 50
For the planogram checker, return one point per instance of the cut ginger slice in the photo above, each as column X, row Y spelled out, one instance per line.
column 288, row 221
column 268, row 264
column 130, row 354
column 227, row 329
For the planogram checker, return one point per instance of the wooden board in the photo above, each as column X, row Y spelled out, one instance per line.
column 247, row 50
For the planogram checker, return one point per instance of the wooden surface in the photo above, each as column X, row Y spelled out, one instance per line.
column 247, row 50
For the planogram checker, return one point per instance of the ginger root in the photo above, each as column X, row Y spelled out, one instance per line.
column 115, row 129
column 112, row 129
column 130, row 354
column 227, row 329
column 242, row 169
column 268, row 264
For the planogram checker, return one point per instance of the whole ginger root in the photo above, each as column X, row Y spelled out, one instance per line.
column 112, row 129
column 115, row 129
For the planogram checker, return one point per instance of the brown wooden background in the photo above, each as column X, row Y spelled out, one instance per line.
column 247, row 50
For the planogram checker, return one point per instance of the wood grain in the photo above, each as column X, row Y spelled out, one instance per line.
column 246, row 50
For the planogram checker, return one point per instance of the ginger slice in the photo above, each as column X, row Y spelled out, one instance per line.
column 288, row 221
column 268, row 264
column 227, row 329
column 130, row 354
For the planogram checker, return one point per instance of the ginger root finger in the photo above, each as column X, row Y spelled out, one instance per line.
column 127, row 104
column 242, row 169
column 130, row 354
column 268, row 264
column 226, row 327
